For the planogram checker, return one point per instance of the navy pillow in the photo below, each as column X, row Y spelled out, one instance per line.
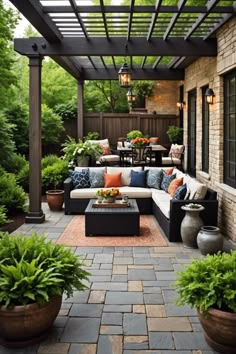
column 138, row 179
column 166, row 180
column 80, row 179
column 154, row 179
column 180, row 192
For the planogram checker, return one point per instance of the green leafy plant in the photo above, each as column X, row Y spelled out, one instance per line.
column 49, row 160
column 3, row 216
column 209, row 282
column 17, row 162
column 92, row 136
column 33, row 270
column 23, row 177
column 54, row 175
column 67, row 111
column 134, row 134
column 175, row 134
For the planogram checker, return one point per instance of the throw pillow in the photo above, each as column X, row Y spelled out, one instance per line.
column 153, row 140
column 106, row 150
column 177, row 182
column 169, row 171
column 113, row 180
column 138, row 179
column 154, row 179
column 80, row 179
column 96, row 179
column 166, row 180
column 176, row 151
column 180, row 192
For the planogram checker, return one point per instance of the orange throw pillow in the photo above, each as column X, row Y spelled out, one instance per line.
column 106, row 150
column 176, row 183
column 169, row 171
column 112, row 180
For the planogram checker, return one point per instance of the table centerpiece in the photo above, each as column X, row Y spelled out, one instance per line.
column 140, row 142
column 107, row 195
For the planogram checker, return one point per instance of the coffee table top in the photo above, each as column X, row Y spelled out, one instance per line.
column 133, row 208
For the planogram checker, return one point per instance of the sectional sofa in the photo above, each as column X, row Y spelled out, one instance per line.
column 167, row 211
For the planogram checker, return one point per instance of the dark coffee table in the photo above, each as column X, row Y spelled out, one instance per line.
column 112, row 221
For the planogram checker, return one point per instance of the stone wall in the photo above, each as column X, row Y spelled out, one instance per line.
column 164, row 99
column 209, row 71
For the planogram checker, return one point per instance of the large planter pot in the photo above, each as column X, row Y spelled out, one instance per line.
column 219, row 330
column 25, row 325
column 190, row 226
column 83, row 161
column 210, row 240
column 55, row 199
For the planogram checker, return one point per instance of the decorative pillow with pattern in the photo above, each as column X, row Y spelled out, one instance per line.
column 96, row 179
column 106, row 150
column 176, row 151
column 80, row 179
column 166, row 180
column 180, row 192
column 154, row 179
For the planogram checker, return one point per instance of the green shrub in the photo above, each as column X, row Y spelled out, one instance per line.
column 49, row 160
column 33, row 270
column 52, row 126
column 92, row 136
column 16, row 163
column 134, row 134
column 53, row 176
column 12, row 196
column 175, row 134
column 3, row 216
column 23, row 177
column 6, row 141
column 67, row 111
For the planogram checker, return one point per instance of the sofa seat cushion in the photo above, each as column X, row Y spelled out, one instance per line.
column 162, row 200
column 136, row 192
column 171, row 161
column 101, row 142
column 109, row 158
column 84, row 193
column 125, row 173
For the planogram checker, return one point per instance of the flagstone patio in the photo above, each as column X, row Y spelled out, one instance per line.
column 129, row 306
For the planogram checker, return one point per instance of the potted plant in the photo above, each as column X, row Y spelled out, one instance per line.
column 53, row 176
column 134, row 134
column 209, row 284
column 108, row 195
column 143, row 89
column 34, row 274
column 175, row 134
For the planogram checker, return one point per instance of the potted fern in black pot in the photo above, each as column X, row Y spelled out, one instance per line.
column 34, row 274
column 209, row 284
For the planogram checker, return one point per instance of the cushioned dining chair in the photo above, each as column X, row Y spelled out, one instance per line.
column 107, row 158
column 176, row 156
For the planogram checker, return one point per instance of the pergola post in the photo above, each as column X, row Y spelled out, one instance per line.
column 35, row 214
column 80, row 109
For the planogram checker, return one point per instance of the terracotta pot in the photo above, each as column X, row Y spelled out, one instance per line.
column 24, row 325
column 55, row 199
column 219, row 330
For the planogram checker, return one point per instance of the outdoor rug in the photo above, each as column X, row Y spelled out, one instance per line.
column 150, row 235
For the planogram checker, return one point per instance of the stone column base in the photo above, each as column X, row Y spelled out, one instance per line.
column 35, row 218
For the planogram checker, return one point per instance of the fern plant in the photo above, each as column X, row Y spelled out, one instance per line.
column 33, row 270
column 209, row 282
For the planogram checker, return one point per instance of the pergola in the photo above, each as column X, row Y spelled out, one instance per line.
column 90, row 39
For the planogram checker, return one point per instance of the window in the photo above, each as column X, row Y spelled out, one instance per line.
column 230, row 129
column 205, row 132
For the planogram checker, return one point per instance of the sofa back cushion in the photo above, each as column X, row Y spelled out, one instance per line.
column 91, row 169
column 125, row 173
column 99, row 142
column 196, row 189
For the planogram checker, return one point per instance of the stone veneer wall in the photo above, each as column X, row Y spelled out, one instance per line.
column 209, row 71
column 164, row 99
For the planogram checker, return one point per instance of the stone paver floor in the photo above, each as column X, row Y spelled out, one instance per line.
column 129, row 307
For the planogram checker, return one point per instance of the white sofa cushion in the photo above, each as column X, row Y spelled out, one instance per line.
column 170, row 161
column 125, row 173
column 162, row 200
column 100, row 142
column 92, row 169
column 84, row 193
column 196, row 190
column 109, row 158
column 136, row 192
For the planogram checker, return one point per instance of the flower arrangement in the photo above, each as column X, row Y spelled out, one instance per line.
column 140, row 142
column 108, row 193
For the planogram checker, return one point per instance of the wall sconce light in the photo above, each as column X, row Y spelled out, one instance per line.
column 124, row 75
column 131, row 97
column 181, row 105
column 209, row 94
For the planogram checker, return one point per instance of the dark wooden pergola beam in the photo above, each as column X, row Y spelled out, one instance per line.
column 130, row 19
column 174, row 19
column 73, row 6
column 156, row 62
column 143, row 62
column 103, row 62
column 68, row 64
column 116, row 46
column 225, row 19
column 104, row 17
column 154, row 18
column 137, row 9
column 137, row 74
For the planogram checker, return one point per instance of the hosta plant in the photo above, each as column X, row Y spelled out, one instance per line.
column 33, row 270
column 209, row 282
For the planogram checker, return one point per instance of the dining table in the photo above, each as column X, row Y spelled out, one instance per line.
column 157, row 151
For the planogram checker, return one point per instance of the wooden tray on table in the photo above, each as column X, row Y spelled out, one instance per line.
column 117, row 204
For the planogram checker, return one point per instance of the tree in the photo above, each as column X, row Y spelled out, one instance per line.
column 6, row 142
column 52, row 126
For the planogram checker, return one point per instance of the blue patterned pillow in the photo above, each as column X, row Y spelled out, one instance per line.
column 138, row 179
column 166, row 180
column 180, row 192
column 96, row 179
column 154, row 179
column 80, row 179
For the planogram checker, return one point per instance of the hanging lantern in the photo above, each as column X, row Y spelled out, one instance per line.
column 124, row 75
column 131, row 97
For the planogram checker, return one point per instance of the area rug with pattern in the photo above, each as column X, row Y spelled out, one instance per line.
column 150, row 235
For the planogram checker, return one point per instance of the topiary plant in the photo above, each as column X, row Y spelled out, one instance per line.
column 54, row 175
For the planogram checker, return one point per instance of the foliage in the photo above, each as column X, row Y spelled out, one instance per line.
column 209, row 282
column 139, row 142
column 55, row 174
column 67, row 111
column 68, row 149
column 194, row 206
column 33, row 270
column 52, row 126
column 16, row 163
column 144, row 88
column 3, row 216
column 23, row 177
column 134, row 134
column 175, row 134
column 49, row 160
column 92, row 136
column 108, row 193
column 12, row 196
column 6, row 141
column 17, row 114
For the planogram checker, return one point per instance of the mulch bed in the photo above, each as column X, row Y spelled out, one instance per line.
column 16, row 221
